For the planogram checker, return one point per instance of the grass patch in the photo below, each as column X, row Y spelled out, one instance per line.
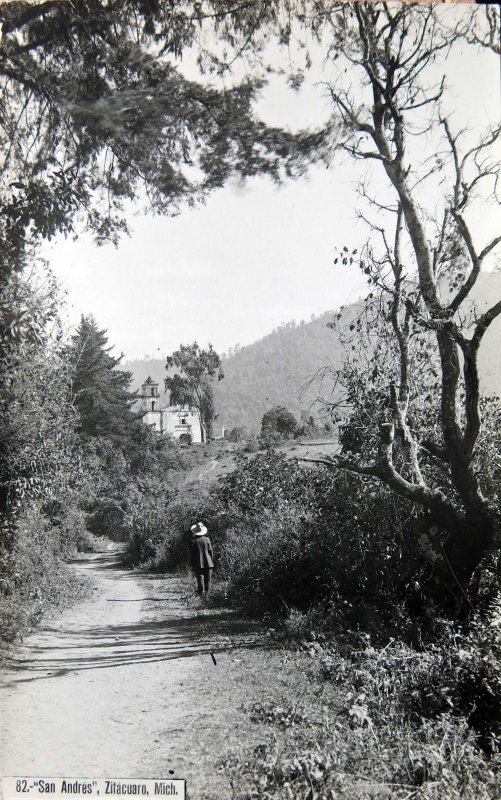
column 351, row 723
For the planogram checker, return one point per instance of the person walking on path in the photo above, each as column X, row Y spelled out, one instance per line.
column 201, row 556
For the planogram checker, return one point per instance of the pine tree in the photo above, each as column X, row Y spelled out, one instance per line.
column 100, row 392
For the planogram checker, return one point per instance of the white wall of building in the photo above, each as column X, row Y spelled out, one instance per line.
column 154, row 419
column 180, row 422
column 173, row 421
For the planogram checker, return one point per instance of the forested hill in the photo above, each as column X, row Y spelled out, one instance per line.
column 269, row 372
column 278, row 370
column 274, row 370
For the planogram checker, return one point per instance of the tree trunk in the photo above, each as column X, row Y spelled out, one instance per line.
column 472, row 539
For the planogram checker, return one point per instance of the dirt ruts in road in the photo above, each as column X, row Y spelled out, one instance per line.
column 123, row 683
column 212, row 465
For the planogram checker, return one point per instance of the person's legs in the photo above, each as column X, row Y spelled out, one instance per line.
column 207, row 579
column 200, row 581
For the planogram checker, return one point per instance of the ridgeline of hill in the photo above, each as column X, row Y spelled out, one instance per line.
column 275, row 370
column 278, row 369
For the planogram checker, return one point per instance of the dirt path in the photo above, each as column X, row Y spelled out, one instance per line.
column 124, row 685
column 212, row 465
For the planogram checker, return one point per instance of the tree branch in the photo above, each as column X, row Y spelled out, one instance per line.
column 34, row 12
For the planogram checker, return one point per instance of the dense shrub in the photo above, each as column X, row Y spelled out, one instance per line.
column 156, row 527
column 371, row 540
column 290, row 536
column 271, row 563
column 131, row 487
column 388, row 724
column 468, row 675
column 304, row 536
column 34, row 576
column 161, row 529
column 281, row 534
column 162, row 518
column 278, row 421
column 270, row 439
column 264, row 482
column 252, row 446
column 459, row 671
column 69, row 522
column 108, row 517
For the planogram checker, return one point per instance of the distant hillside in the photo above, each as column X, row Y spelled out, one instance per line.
column 275, row 370
column 278, row 369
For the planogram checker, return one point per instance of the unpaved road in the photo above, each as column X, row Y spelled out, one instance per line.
column 124, row 685
column 212, row 465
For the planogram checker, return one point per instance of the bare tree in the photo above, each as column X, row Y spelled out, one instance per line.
column 423, row 261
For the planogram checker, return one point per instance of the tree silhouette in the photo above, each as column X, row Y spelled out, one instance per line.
column 411, row 381
column 192, row 387
column 100, row 392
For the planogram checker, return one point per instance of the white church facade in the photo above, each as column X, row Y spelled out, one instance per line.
column 176, row 421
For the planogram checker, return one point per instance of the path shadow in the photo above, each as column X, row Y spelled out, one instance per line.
column 123, row 645
column 136, row 600
column 101, row 561
column 179, row 634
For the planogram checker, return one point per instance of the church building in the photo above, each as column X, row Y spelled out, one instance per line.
column 176, row 421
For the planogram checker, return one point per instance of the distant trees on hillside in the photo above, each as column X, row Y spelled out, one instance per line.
column 277, row 371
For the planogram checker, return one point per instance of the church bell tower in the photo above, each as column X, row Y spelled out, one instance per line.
column 150, row 396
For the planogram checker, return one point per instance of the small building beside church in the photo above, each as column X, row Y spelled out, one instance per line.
column 176, row 421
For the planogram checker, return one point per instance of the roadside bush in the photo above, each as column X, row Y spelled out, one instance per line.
column 163, row 515
column 107, row 517
column 252, row 446
column 270, row 440
column 129, row 488
column 309, row 537
column 169, row 528
column 264, row 482
column 266, row 562
column 387, row 726
column 468, row 675
column 458, row 673
column 278, row 421
column 160, row 528
column 148, row 520
column 372, row 541
column 33, row 574
column 70, row 523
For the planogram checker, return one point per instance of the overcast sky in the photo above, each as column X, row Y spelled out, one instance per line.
column 251, row 258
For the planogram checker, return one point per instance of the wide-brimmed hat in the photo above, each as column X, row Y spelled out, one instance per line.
column 198, row 529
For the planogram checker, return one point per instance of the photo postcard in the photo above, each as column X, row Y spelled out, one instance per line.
column 250, row 441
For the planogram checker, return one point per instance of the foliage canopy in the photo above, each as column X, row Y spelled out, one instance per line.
column 192, row 386
column 99, row 392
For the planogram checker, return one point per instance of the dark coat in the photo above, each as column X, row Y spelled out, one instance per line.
column 201, row 553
